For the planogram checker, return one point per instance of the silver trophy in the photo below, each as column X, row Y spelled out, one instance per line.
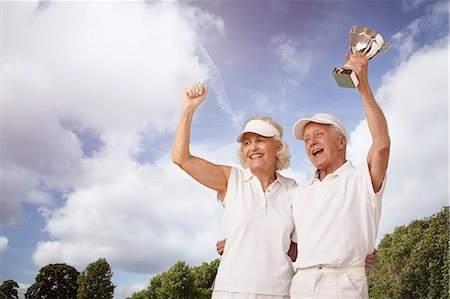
column 365, row 41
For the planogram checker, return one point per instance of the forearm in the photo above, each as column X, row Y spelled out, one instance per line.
column 378, row 156
column 180, row 147
column 375, row 118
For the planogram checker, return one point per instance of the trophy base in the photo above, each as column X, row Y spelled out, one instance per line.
column 345, row 77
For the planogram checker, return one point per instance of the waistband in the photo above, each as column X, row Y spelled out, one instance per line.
column 328, row 269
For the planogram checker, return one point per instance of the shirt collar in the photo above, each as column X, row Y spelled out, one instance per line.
column 342, row 169
column 248, row 175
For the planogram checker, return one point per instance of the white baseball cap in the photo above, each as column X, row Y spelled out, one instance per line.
column 320, row 118
column 259, row 127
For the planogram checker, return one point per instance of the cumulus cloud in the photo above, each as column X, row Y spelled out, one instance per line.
column 3, row 245
column 86, row 83
column 144, row 220
column 414, row 98
column 75, row 90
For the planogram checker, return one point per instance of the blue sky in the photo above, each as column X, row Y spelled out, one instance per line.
column 91, row 94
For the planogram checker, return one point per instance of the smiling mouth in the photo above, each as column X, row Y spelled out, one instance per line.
column 256, row 156
column 317, row 152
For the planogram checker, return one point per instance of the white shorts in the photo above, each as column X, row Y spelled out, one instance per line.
column 330, row 283
column 232, row 295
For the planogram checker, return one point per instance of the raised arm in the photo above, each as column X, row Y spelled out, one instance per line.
column 378, row 155
column 209, row 174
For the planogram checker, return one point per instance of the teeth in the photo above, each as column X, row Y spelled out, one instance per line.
column 255, row 156
column 316, row 151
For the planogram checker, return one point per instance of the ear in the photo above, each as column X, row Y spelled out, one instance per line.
column 342, row 144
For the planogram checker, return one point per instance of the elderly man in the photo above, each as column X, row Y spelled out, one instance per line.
column 337, row 211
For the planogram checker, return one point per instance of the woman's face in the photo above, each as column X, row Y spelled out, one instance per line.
column 260, row 153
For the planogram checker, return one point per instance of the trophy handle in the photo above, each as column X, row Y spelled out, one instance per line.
column 351, row 34
column 384, row 48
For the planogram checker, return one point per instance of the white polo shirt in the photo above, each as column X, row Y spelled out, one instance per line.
column 337, row 219
column 258, row 228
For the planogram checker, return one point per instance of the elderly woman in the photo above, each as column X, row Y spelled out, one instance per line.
column 258, row 214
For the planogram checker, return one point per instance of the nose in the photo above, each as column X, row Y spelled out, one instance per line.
column 253, row 145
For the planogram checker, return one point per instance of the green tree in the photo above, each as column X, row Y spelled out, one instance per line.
column 8, row 290
column 181, row 281
column 204, row 276
column 175, row 283
column 54, row 281
column 139, row 295
column 413, row 261
column 154, row 287
column 95, row 281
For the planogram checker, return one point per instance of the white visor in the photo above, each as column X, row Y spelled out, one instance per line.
column 259, row 127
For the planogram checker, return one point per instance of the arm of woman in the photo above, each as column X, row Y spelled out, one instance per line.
column 209, row 174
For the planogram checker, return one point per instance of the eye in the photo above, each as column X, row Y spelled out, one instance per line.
column 306, row 140
column 261, row 140
column 247, row 142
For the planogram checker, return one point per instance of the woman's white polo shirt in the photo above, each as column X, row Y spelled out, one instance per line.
column 258, row 228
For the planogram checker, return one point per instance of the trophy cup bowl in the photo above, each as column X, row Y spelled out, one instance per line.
column 365, row 41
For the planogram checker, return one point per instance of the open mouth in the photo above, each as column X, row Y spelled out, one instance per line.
column 316, row 152
column 256, row 156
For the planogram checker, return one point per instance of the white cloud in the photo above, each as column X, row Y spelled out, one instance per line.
column 205, row 23
column 23, row 287
column 114, row 70
column 414, row 98
column 3, row 245
column 406, row 39
column 115, row 73
column 143, row 220
column 434, row 23
column 126, row 291
column 39, row 197
column 295, row 60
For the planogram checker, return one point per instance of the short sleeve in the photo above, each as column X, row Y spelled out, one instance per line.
column 234, row 175
column 364, row 175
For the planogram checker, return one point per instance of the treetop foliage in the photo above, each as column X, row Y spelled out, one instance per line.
column 181, row 282
column 8, row 290
column 95, row 281
column 54, row 281
column 413, row 261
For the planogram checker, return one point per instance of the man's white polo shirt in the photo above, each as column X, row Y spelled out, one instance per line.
column 337, row 219
column 258, row 228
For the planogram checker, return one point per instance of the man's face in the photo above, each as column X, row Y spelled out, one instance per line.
column 324, row 145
